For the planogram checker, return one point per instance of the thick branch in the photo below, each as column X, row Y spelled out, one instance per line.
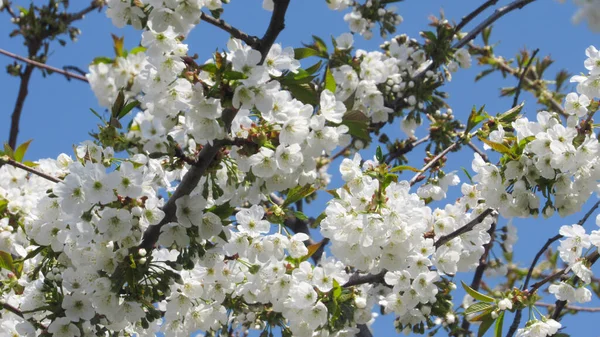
column 67, row 74
column 16, row 115
column 464, row 229
column 357, row 279
column 185, row 187
column 208, row 153
column 276, row 25
column 236, row 33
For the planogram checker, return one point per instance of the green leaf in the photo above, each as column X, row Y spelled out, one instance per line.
column 298, row 193
column 477, row 307
column 379, row 154
column 314, row 68
column 300, row 215
column 337, row 289
column 8, row 151
column 477, row 295
column 318, row 220
column 302, row 53
column 498, row 327
column 475, row 118
column 118, row 104
column 467, row 174
column 21, row 149
column 304, row 93
column 138, row 49
column 483, row 74
column 234, row 75
column 102, row 59
column 485, row 326
column 6, row 261
column 118, row 45
column 404, row 168
column 358, row 124
column 209, row 68
column 495, row 146
column 97, row 114
column 511, row 115
column 320, row 44
column 312, row 249
column 330, row 81
column 128, row 107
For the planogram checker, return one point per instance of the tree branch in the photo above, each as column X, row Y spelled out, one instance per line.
column 464, row 229
column 357, row 279
column 236, row 33
column 518, row 314
column 208, row 153
column 560, row 305
column 406, row 149
column 480, row 152
column 67, row 74
column 520, row 83
column 21, row 96
column 568, row 307
column 16, row 164
column 432, row 162
column 498, row 13
column 466, row 19
column 478, row 276
column 276, row 25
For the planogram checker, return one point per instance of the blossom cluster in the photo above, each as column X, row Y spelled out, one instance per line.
column 363, row 17
column 384, row 228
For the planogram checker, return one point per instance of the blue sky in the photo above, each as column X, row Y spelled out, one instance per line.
column 57, row 116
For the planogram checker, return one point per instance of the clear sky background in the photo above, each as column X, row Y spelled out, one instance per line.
column 57, row 116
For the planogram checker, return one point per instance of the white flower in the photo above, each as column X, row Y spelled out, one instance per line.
column 344, row 41
column 331, row 108
column 505, row 304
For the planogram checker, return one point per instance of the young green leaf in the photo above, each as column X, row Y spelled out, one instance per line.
column 485, row 325
column 298, row 193
column 379, row 154
column 476, row 295
column 498, row 327
column 302, row 53
column 21, row 149
column 404, row 168
column 477, row 307
column 330, row 81
column 6, row 261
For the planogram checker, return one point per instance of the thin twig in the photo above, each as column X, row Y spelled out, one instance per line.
column 478, row 276
column 432, row 162
column 480, row 152
column 464, row 229
column 406, row 149
column 31, row 170
column 498, row 13
column 535, row 85
column 236, row 33
column 466, row 19
column 18, row 312
column 568, row 307
column 560, row 305
column 520, row 83
column 67, row 74
column 518, row 314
